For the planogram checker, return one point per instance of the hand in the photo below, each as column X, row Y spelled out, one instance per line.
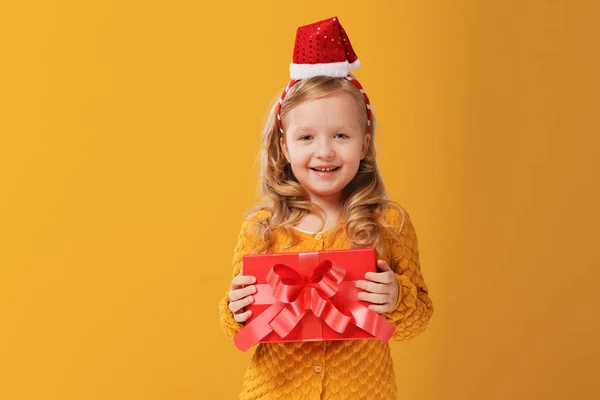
column 240, row 296
column 381, row 289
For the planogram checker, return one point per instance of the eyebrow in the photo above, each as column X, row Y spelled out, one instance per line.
column 302, row 128
column 311, row 129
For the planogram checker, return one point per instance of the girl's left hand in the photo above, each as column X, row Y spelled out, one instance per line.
column 381, row 288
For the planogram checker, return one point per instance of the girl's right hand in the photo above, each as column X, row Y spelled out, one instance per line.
column 240, row 295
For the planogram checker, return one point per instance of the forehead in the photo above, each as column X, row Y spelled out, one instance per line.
column 333, row 111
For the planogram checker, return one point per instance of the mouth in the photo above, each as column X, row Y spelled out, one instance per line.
column 330, row 169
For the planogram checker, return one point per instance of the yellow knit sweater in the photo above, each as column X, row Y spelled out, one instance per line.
column 344, row 369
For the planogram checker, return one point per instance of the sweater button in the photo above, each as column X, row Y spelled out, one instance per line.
column 318, row 368
column 318, row 236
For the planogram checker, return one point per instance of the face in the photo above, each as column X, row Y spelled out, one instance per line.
column 324, row 143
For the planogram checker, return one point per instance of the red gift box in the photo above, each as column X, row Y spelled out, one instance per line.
column 310, row 296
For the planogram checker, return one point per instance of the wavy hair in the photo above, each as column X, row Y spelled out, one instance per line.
column 287, row 202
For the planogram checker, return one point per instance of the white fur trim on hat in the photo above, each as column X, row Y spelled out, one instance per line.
column 337, row 69
column 355, row 64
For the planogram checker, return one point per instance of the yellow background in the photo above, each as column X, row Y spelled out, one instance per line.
column 129, row 132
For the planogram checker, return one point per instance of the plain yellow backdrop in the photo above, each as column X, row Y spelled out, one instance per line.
column 129, row 133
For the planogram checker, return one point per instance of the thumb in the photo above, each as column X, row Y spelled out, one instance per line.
column 382, row 265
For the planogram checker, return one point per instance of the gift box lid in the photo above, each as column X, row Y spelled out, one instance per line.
column 356, row 262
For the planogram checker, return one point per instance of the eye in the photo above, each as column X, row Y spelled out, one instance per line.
column 341, row 135
column 305, row 137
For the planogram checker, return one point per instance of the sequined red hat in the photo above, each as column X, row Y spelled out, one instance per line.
column 323, row 49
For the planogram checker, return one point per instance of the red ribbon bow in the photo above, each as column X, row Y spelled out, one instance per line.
column 302, row 293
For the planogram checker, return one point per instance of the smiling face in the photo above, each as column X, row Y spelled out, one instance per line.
column 324, row 143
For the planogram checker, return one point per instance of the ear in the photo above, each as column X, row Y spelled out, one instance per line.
column 365, row 146
column 284, row 148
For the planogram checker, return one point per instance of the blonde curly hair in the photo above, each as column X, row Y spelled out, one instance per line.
column 287, row 202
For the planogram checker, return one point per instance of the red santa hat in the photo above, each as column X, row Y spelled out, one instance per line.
column 322, row 49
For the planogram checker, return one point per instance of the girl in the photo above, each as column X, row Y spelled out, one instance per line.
column 323, row 191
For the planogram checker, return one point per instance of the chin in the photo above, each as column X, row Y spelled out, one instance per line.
column 324, row 193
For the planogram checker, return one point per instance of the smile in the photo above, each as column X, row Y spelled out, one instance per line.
column 325, row 169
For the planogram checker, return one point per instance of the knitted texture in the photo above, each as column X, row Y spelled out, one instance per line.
column 344, row 369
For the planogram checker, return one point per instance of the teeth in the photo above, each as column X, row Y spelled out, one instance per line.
column 325, row 169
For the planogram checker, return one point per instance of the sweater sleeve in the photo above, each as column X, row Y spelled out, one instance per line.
column 414, row 307
column 243, row 246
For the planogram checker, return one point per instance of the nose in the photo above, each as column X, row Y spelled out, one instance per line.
column 324, row 149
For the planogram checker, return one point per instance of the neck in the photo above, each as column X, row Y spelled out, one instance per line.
column 329, row 204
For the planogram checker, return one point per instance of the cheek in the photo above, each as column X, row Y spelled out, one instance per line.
column 354, row 154
column 298, row 156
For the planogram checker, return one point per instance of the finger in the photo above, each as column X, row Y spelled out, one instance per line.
column 237, row 294
column 236, row 306
column 239, row 305
column 242, row 280
column 232, row 307
column 374, row 298
column 381, row 277
column 242, row 317
column 380, row 309
column 382, row 265
column 371, row 287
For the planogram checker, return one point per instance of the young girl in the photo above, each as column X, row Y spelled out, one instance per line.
column 323, row 191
